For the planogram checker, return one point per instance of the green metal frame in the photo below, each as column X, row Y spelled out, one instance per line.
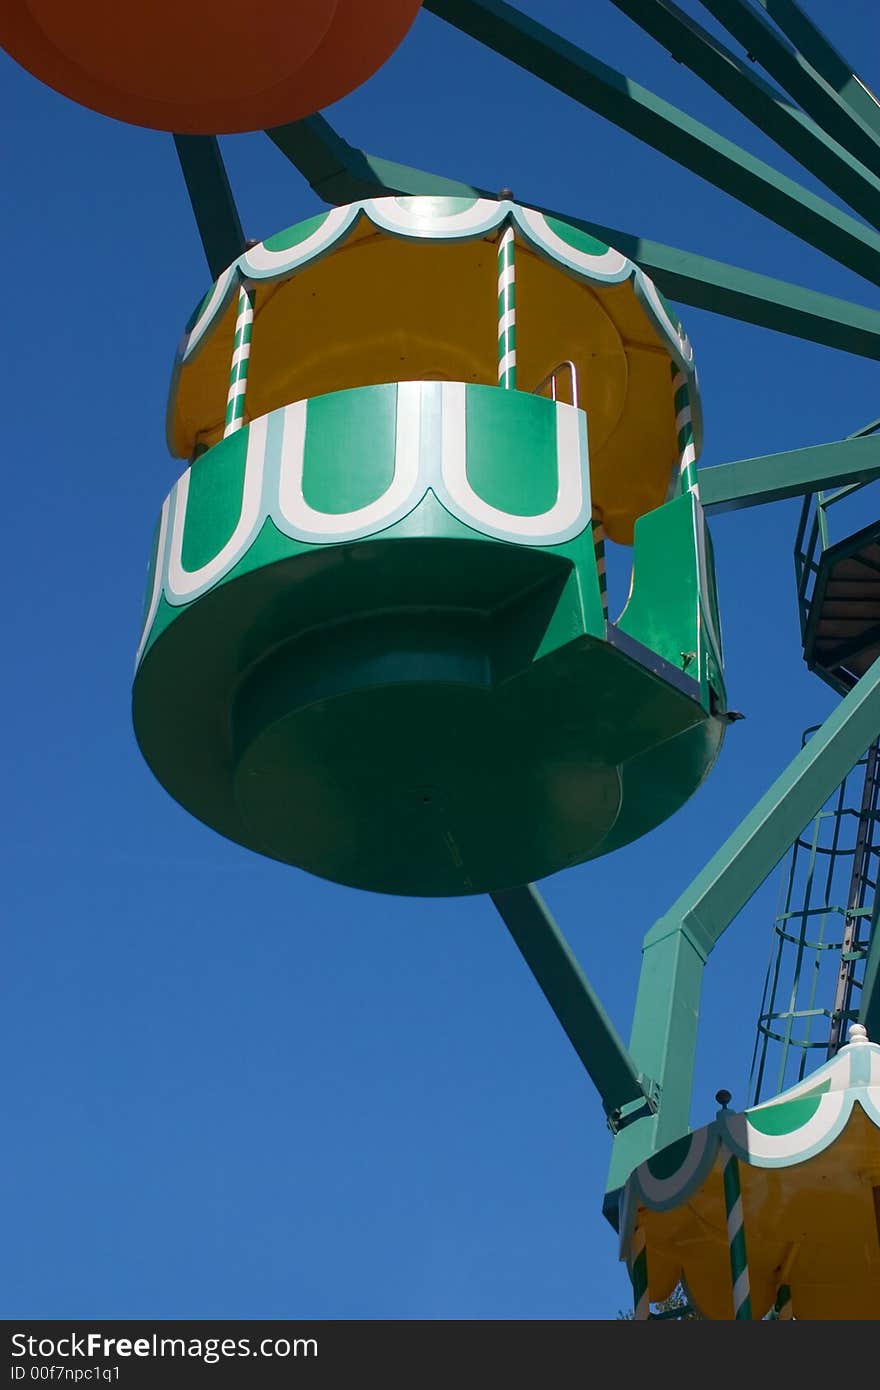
column 676, row 949
column 815, row 554
column 212, row 202
column 759, row 102
column 825, row 59
column 817, row 97
column 340, row 173
column 669, row 130
column 826, row 899
column 623, row 1092
column 729, row 487
column 869, row 1012
column 835, row 132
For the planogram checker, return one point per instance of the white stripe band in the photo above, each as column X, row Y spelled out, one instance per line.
column 741, row 1290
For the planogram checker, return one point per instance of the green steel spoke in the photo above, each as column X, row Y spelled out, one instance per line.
column 339, row 173
column 800, row 80
column 750, row 482
column 212, row 201
column 673, row 132
column 870, row 428
column 688, row 42
column 675, row 950
column 570, row 996
column 828, row 63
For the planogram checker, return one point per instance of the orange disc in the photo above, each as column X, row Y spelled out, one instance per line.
column 204, row 67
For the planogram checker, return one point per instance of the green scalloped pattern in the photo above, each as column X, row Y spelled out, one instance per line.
column 789, row 1115
column 293, row 236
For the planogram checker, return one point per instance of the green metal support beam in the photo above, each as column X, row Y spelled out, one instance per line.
column 339, row 173
column 666, row 128
column 869, row 1008
column 691, row 44
column 728, row 487
column 571, row 997
column 763, row 44
column 212, row 201
column 675, row 950
column 825, row 59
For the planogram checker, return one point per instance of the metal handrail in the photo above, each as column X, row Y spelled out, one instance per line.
column 813, row 537
column 550, row 380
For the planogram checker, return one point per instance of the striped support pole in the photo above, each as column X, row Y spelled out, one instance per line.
column 241, row 353
column 736, row 1237
column 599, row 546
column 782, row 1306
column 684, row 427
column 639, row 1275
column 506, row 311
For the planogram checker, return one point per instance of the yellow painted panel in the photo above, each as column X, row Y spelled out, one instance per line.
column 381, row 309
column 819, row 1215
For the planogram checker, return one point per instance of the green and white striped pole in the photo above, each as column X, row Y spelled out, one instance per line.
column 639, row 1275
column 241, row 353
column 506, row 311
column 736, row 1236
column 599, row 547
column 684, row 428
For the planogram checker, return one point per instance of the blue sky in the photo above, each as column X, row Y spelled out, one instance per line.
column 234, row 1090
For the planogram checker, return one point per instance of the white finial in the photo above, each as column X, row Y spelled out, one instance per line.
column 858, row 1033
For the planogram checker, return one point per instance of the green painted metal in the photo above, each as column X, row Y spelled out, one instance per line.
column 729, row 487
column 672, row 613
column 820, row 935
column 736, row 1237
column 824, row 587
column 762, row 42
column 782, row 1310
column 639, row 1276
column 820, row 54
column 689, row 43
column 869, row 1008
column 572, row 998
column 397, row 673
column 675, row 950
column 680, row 275
column 339, row 173
column 507, row 310
column 666, row 128
column 241, row 352
column 212, row 201
column 653, row 640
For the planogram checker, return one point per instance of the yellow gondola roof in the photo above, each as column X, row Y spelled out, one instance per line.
column 396, row 289
column 810, row 1179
